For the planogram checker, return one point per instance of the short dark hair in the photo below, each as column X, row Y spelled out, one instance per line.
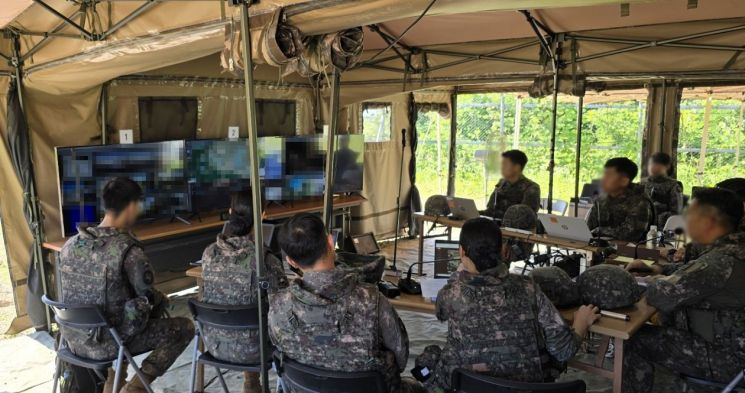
column 241, row 219
column 517, row 157
column 119, row 192
column 304, row 239
column 661, row 158
column 623, row 166
column 481, row 240
column 726, row 203
column 736, row 185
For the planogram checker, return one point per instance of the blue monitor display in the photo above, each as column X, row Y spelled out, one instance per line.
column 157, row 167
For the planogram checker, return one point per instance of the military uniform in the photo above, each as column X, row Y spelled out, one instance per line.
column 667, row 196
column 523, row 191
column 625, row 217
column 230, row 279
column 108, row 268
column 703, row 310
column 520, row 217
column 333, row 321
column 498, row 324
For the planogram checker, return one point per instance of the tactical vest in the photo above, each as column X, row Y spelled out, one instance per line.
column 90, row 272
column 227, row 283
column 497, row 329
column 342, row 336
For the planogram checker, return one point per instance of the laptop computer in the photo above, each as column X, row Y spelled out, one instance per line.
column 447, row 257
column 570, row 228
column 267, row 232
column 463, row 208
column 365, row 244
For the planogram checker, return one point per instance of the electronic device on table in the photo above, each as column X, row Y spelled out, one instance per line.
column 83, row 171
column 214, row 170
column 447, row 255
column 365, row 244
column 462, row 208
column 570, row 228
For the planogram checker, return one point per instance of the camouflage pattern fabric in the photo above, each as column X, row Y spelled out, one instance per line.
column 557, row 285
column 369, row 267
column 625, row 217
column 106, row 267
column 703, row 309
column 521, row 217
column 523, row 191
column 500, row 325
column 230, row 279
column 667, row 196
column 333, row 321
column 437, row 205
column 608, row 287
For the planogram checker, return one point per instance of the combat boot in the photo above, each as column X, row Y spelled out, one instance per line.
column 136, row 385
column 108, row 386
column 251, row 383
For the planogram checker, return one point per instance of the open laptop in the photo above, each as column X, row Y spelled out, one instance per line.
column 447, row 257
column 463, row 209
column 570, row 228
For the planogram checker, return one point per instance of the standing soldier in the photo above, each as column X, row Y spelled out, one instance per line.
column 663, row 190
column 514, row 188
column 329, row 319
column 625, row 211
column 106, row 266
column 230, row 279
column 499, row 324
column 702, row 303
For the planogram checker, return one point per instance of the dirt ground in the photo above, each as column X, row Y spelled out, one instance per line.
column 7, row 308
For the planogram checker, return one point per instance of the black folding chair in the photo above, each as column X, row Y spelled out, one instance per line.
column 90, row 317
column 465, row 381
column 736, row 385
column 223, row 317
column 300, row 378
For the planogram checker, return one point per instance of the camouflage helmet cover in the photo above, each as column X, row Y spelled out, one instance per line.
column 608, row 287
column 370, row 267
column 437, row 205
column 557, row 285
column 520, row 217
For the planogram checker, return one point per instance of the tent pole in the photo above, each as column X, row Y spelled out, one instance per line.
column 328, row 196
column 662, row 116
column 453, row 132
column 577, row 155
column 552, row 149
column 32, row 198
column 255, row 187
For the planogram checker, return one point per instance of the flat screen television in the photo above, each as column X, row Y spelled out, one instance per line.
column 304, row 164
column 348, row 165
column 83, row 171
column 214, row 170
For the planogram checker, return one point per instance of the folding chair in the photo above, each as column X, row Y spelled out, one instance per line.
column 89, row 317
column 735, row 385
column 464, row 381
column 300, row 378
column 222, row 317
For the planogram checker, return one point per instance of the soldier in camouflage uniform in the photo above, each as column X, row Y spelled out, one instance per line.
column 521, row 217
column 702, row 303
column 498, row 324
column 106, row 266
column 665, row 192
column 230, row 279
column 329, row 318
column 514, row 188
column 624, row 212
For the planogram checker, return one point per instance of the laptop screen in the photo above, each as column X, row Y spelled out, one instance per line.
column 444, row 250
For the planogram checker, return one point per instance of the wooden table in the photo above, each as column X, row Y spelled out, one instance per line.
column 165, row 228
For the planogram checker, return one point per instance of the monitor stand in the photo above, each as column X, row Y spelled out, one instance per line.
column 176, row 217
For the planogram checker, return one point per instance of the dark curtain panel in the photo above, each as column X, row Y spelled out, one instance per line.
column 415, row 200
column 20, row 152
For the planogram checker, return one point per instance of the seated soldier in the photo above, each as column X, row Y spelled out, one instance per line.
column 498, row 324
column 230, row 279
column 105, row 265
column 702, row 304
column 665, row 192
column 625, row 211
column 514, row 188
column 518, row 217
column 329, row 319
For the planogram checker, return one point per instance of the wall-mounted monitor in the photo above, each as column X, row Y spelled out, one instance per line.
column 214, row 170
column 83, row 171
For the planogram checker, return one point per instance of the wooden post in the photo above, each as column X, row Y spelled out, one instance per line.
column 518, row 112
column 704, row 141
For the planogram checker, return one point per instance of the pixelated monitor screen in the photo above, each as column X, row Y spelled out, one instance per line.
column 214, row 170
column 157, row 167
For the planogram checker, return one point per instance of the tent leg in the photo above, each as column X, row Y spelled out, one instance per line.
column 580, row 113
column 255, row 186
column 328, row 195
column 552, row 151
column 453, row 135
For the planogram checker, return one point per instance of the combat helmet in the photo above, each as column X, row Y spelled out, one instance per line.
column 608, row 287
column 369, row 267
column 557, row 285
column 520, row 217
column 437, row 205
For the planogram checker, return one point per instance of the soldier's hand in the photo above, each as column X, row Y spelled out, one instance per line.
column 584, row 317
column 639, row 267
column 680, row 255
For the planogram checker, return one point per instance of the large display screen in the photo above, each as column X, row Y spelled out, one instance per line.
column 214, row 170
column 157, row 167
